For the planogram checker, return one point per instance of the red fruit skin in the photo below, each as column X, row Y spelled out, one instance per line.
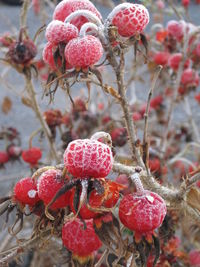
column 142, row 212
column 194, row 258
column 79, row 105
column 48, row 57
column 83, row 52
column 185, row 3
column 60, row 32
column 119, row 136
column 88, row 158
column 131, row 20
column 190, row 78
column 161, row 58
column 49, row 183
column 66, row 7
column 25, row 192
column 156, row 102
column 136, row 116
column 154, row 165
column 4, row 157
column 32, row 155
column 95, row 201
column 22, row 52
column 175, row 29
column 53, row 117
column 175, row 60
column 81, row 241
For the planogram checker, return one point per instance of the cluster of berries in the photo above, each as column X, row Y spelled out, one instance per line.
column 87, row 161
column 171, row 41
column 76, row 34
column 14, row 150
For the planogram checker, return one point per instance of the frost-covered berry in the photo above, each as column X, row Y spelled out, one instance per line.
column 83, row 52
column 49, row 183
column 142, row 212
column 32, row 155
column 80, row 240
column 175, row 29
column 48, row 57
column 175, row 60
column 25, row 192
column 129, row 18
column 190, row 78
column 58, row 31
column 66, row 7
column 88, row 158
column 161, row 58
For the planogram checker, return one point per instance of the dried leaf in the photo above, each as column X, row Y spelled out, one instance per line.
column 6, row 105
column 26, row 101
column 110, row 90
column 193, row 198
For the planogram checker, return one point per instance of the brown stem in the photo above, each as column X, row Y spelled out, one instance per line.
column 31, row 92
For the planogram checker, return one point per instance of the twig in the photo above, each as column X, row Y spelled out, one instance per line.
column 188, row 111
column 100, row 261
column 23, row 15
column 146, row 117
column 31, row 92
column 23, row 247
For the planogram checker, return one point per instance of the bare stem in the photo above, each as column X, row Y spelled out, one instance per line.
column 191, row 119
column 23, row 15
column 31, row 92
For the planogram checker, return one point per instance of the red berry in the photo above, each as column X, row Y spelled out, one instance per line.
column 142, row 211
column 79, row 105
column 58, row 31
column 66, row 7
column 154, row 165
column 82, row 52
column 49, row 183
column 14, row 151
column 175, row 60
column 80, row 240
column 194, row 258
column 136, row 116
column 53, row 117
column 185, row 3
column 190, row 78
column 22, row 52
column 48, row 57
column 25, row 191
column 175, row 29
column 106, row 119
column 95, row 201
column 119, row 136
column 161, row 58
column 88, row 158
column 36, row 6
column 156, row 102
column 4, row 157
column 129, row 18
column 32, row 155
